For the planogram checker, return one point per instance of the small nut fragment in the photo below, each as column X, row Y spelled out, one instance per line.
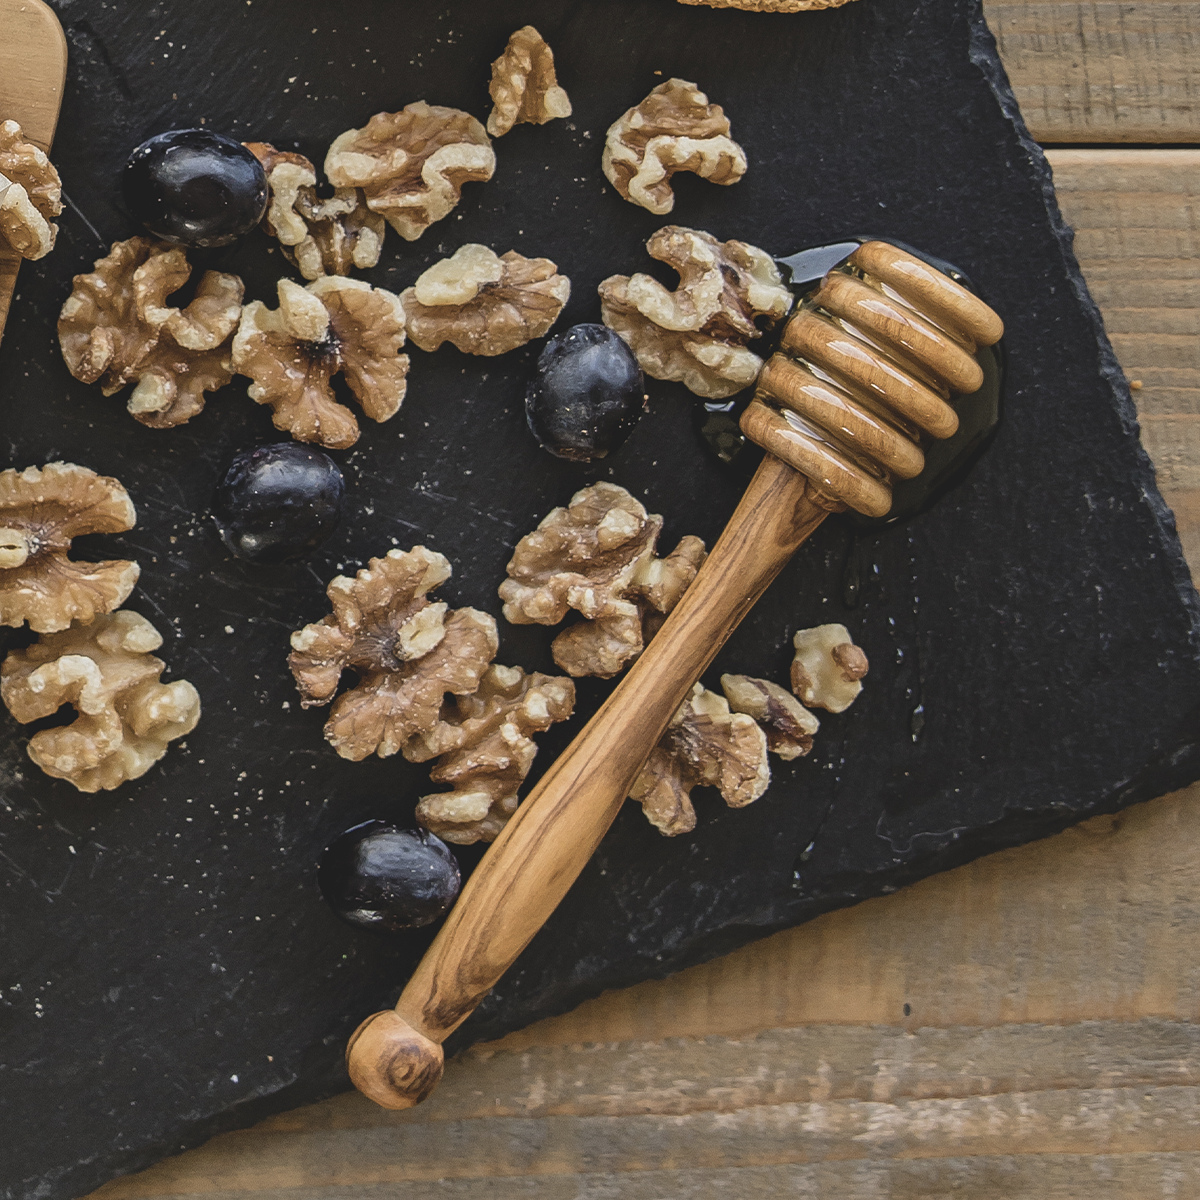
column 407, row 650
column 597, row 557
column 41, row 510
column 486, row 747
column 524, row 85
column 789, row 726
column 105, row 669
column 292, row 353
column 698, row 334
column 706, row 744
column 411, row 165
column 322, row 237
column 30, row 195
column 828, row 667
column 673, row 129
column 484, row 303
column 116, row 328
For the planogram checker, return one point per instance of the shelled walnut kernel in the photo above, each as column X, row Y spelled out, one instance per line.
column 484, row 303
column 486, row 749
column 524, row 85
column 828, row 668
column 789, row 726
column 292, row 353
column 699, row 333
column 30, row 195
column 674, row 129
column 411, row 165
column 322, row 237
column 597, row 556
column 41, row 510
column 708, row 744
column 116, row 328
column 127, row 717
column 407, row 651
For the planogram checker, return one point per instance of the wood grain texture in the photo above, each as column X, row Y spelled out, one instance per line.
column 1026, row 1027
column 1107, row 71
column 33, row 68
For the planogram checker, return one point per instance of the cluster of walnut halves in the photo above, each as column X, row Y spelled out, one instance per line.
column 427, row 687
column 30, row 195
column 87, row 655
column 723, row 742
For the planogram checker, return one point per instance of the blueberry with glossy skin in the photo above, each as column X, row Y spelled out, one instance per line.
column 586, row 395
column 380, row 877
column 195, row 187
column 277, row 503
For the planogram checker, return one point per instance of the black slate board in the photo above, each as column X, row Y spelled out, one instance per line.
column 168, row 968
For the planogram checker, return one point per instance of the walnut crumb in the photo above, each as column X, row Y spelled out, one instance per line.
column 411, row 165
column 322, row 237
column 828, row 667
column 41, row 510
column 486, row 749
column 484, row 303
column 407, row 650
column 674, row 129
column 292, row 353
column 30, row 195
column 707, row 744
column 127, row 717
column 524, row 85
column 597, row 556
column 699, row 333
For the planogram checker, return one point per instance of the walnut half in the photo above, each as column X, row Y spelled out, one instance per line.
column 705, row 743
column 292, row 353
column 597, row 556
column 407, row 651
column 674, row 129
column 117, row 328
column 486, row 746
column 411, row 165
column 127, row 717
column 322, row 237
column 30, row 195
column 524, row 86
column 828, row 667
column 789, row 726
column 41, row 510
column 699, row 333
column 484, row 303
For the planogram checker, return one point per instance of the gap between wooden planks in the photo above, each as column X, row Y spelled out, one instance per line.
column 1021, row 1028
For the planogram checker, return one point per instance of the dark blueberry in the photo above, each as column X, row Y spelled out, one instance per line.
column 380, row 877
column 277, row 503
column 586, row 395
column 195, row 187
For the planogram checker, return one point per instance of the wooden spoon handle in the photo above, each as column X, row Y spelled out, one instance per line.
column 395, row 1057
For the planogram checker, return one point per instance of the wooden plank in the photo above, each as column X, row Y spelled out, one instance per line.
column 33, row 69
column 1024, row 1027
column 1102, row 72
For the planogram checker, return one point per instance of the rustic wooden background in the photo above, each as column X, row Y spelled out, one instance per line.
column 1026, row 1027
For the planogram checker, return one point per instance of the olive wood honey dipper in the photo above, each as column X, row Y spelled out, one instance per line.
column 865, row 371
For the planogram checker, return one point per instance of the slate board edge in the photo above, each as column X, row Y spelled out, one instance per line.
column 313, row 1086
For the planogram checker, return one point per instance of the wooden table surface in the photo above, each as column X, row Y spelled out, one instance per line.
column 1026, row 1027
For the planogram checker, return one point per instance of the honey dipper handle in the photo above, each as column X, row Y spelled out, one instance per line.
column 395, row 1057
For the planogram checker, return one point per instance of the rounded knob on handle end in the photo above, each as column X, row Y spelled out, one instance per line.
column 391, row 1063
